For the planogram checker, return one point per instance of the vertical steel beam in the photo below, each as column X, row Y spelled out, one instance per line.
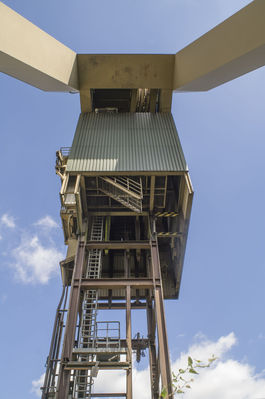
column 164, row 360
column 70, row 329
column 151, row 327
column 152, row 193
column 128, row 330
column 129, row 343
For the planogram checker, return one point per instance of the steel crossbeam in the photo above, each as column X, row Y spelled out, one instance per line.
column 113, row 283
column 118, row 245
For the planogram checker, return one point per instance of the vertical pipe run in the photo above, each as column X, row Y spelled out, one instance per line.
column 49, row 380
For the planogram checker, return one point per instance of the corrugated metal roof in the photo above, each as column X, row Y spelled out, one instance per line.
column 125, row 143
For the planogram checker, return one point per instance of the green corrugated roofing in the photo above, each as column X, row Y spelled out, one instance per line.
column 126, row 143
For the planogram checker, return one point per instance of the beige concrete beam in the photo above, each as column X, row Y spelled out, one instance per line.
column 128, row 71
column 231, row 49
column 31, row 55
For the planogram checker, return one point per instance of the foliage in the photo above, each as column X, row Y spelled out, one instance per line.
column 182, row 381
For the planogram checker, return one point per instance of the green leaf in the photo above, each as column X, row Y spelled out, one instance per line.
column 192, row 371
column 180, row 391
column 163, row 393
column 188, row 386
column 181, row 371
column 190, row 361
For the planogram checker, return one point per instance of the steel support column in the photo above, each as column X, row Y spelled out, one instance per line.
column 164, row 360
column 151, row 327
column 128, row 330
column 129, row 343
column 70, row 329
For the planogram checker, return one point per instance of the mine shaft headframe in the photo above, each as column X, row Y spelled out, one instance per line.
column 31, row 55
column 125, row 83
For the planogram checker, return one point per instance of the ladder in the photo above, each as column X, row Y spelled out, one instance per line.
column 125, row 190
column 87, row 339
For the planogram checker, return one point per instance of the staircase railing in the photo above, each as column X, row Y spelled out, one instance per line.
column 125, row 190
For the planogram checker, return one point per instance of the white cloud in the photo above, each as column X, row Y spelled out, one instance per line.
column 8, row 221
column 36, row 258
column 35, row 262
column 229, row 379
column 46, row 222
column 37, row 384
column 204, row 348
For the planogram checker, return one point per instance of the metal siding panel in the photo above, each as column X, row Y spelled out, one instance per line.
column 126, row 143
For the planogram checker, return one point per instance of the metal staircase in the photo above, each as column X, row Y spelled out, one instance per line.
column 125, row 190
column 87, row 339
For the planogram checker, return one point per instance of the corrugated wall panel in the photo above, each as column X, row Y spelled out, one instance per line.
column 126, row 143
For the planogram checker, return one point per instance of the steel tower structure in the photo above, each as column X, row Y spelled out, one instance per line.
column 126, row 194
column 126, row 200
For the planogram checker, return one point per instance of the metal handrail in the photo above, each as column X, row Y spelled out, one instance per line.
column 112, row 333
column 65, row 151
column 127, row 185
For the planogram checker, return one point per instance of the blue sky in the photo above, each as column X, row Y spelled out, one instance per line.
column 221, row 305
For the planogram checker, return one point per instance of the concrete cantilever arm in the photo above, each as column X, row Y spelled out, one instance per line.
column 31, row 55
column 231, row 49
